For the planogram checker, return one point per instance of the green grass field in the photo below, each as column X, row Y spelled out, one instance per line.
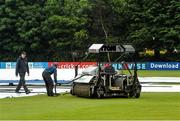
column 156, row 73
column 162, row 106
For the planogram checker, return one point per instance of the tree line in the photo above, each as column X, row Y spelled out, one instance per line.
column 62, row 30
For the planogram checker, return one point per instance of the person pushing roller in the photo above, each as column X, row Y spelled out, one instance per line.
column 48, row 80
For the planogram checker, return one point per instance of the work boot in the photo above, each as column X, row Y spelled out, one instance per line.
column 17, row 91
column 56, row 94
column 27, row 92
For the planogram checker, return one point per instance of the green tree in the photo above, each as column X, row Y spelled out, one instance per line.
column 65, row 27
column 152, row 23
column 20, row 27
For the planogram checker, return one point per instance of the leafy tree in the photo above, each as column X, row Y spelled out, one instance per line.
column 65, row 29
column 19, row 27
column 57, row 30
column 152, row 23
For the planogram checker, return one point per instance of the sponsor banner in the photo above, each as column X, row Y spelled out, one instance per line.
column 163, row 66
column 120, row 66
column 71, row 65
column 32, row 65
column 39, row 65
column 2, row 65
column 8, row 65
column 117, row 66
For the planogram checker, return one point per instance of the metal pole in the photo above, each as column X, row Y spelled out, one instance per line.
column 55, row 88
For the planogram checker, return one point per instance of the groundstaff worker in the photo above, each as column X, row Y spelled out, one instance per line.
column 48, row 80
column 21, row 69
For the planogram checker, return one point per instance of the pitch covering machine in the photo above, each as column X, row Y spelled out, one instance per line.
column 104, row 81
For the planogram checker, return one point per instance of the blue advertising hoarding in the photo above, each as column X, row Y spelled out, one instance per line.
column 40, row 64
column 117, row 66
column 163, row 66
column 32, row 65
column 150, row 66
column 7, row 65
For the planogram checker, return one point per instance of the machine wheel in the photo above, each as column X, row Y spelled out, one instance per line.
column 137, row 95
column 72, row 90
column 138, row 91
column 100, row 92
column 135, row 92
column 131, row 94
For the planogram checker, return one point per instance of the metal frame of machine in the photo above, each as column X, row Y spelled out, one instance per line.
column 105, row 81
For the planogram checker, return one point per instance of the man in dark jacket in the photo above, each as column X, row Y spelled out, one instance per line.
column 21, row 69
column 48, row 80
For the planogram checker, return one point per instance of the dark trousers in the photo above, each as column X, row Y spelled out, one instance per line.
column 49, row 83
column 22, row 83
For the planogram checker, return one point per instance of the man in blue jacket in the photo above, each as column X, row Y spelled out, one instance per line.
column 48, row 80
column 22, row 68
